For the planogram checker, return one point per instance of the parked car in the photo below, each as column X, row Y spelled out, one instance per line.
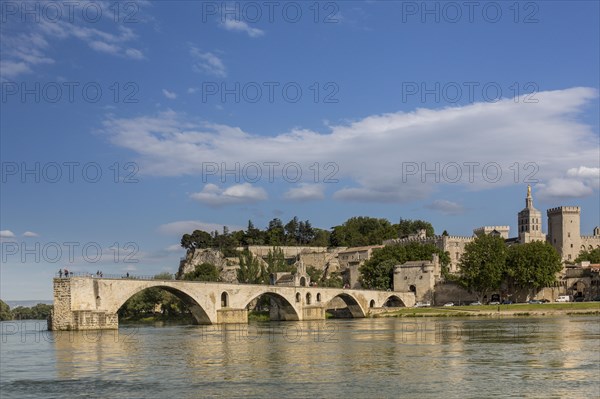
column 476, row 303
column 494, row 303
column 596, row 298
column 422, row 304
column 507, row 302
column 578, row 299
column 563, row 298
column 535, row 302
column 449, row 304
column 545, row 300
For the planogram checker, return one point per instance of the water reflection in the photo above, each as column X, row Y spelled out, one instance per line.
column 529, row 357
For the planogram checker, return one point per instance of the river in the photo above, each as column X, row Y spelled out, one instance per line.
column 525, row 357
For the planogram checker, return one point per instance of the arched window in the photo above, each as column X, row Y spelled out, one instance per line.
column 372, row 303
column 319, row 297
column 298, row 297
column 308, row 298
column 224, row 300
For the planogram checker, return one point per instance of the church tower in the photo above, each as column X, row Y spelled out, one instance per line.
column 530, row 222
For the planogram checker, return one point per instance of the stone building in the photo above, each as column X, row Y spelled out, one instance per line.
column 565, row 235
column 530, row 222
column 454, row 245
column 501, row 231
column 419, row 277
column 351, row 259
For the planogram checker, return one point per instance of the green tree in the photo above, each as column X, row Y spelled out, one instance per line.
column 592, row 256
column 250, row 270
column 276, row 261
column 407, row 226
column 533, row 265
column 203, row 272
column 360, row 231
column 378, row 276
column 5, row 313
column 292, row 231
column 275, row 232
column 483, row 264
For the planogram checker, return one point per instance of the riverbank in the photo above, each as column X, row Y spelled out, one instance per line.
column 515, row 310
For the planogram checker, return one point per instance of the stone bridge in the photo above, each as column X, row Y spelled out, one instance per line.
column 86, row 303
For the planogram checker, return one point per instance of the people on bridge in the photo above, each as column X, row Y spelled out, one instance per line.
column 60, row 273
column 66, row 273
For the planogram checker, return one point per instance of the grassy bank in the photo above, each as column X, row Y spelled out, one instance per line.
column 546, row 309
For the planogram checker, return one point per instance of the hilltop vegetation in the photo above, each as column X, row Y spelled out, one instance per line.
column 356, row 231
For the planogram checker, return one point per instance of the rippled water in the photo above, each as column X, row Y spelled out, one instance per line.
column 432, row 358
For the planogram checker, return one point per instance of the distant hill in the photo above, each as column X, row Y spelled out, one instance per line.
column 28, row 303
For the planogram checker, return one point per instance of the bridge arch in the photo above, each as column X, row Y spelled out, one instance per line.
column 394, row 301
column 281, row 308
column 198, row 312
column 356, row 310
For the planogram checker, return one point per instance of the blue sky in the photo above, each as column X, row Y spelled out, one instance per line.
column 162, row 97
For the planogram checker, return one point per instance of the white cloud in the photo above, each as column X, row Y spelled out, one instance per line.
column 244, row 193
column 104, row 47
column 174, row 248
column 134, row 54
column 23, row 51
column 208, row 63
column 30, row 234
column 181, row 227
column 563, row 188
column 6, row 234
column 305, row 192
column 446, row 207
column 368, row 155
column 241, row 26
column 192, row 90
column 169, row 94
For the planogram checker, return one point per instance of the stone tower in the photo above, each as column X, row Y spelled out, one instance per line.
column 564, row 231
column 530, row 222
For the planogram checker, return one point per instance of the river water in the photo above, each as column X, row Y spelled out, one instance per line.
column 548, row 357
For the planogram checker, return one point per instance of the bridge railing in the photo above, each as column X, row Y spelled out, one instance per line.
column 124, row 276
column 128, row 276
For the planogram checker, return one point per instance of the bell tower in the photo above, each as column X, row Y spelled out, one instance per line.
column 530, row 222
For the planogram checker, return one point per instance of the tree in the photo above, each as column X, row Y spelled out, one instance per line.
column 5, row 313
column 360, row 231
column 250, row 270
column 378, row 271
column 407, row 226
column 203, row 272
column 291, row 231
column 276, row 261
column 592, row 256
column 482, row 265
column 275, row 232
column 532, row 265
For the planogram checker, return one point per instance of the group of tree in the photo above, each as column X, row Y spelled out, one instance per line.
column 295, row 232
column 354, row 232
column 592, row 256
column 253, row 271
column 40, row 311
column 361, row 231
column 487, row 263
column 378, row 271
column 155, row 303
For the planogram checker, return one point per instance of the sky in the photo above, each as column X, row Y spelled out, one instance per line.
column 126, row 124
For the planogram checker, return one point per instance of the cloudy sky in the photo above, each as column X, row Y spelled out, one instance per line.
column 127, row 124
